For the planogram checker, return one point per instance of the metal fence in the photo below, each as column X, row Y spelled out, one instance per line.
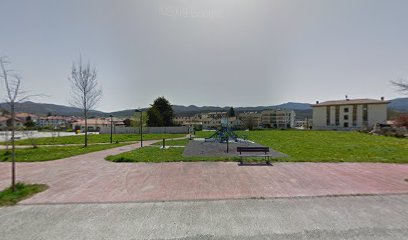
column 136, row 130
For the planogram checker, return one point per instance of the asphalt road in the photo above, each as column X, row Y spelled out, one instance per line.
column 362, row 217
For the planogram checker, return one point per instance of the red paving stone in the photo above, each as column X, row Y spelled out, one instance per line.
column 89, row 178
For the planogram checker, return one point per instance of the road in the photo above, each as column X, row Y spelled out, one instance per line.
column 358, row 217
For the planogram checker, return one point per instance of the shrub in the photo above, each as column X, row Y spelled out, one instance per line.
column 402, row 120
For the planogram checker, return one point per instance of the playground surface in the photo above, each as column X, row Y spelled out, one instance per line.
column 89, row 178
column 201, row 148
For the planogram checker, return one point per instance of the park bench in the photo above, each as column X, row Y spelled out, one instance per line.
column 251, row 152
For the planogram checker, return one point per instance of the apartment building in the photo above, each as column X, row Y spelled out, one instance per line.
column 349, row 114
column 278, row 118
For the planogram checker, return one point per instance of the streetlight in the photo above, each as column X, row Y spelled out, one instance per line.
column 111, row 117
column 141, row 126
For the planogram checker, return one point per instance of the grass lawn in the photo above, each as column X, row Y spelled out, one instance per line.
column 23, row 191
column 178, row 142
column 94, row 138
column 310, row 146
column 52, row 153
column 333, row 146
column 155, row 154
column 204, row 134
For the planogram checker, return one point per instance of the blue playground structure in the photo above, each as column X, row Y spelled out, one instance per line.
column 223, row 134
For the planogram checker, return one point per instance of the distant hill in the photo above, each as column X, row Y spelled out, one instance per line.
column 303, row 110
column 45, row 108
column 295, row 106
column 399, row 104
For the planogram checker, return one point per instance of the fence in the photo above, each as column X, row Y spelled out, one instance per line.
column 136, row 130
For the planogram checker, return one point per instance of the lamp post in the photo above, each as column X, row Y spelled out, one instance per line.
column 141, row 126
column 111, row 123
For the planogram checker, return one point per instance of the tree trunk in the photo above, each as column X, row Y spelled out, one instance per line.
column 13, row 156
column 86, row 129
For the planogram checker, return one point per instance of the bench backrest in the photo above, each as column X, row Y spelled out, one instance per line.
column 252, row 149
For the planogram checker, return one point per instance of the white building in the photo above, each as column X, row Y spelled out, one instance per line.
column 278, row 118
column 349, row 114
column 95, row 124
column 53, row 121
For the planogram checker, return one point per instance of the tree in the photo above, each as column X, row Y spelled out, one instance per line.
column 231, row 112
column 29, row 123
column 154, row 118
column 160, row 114
column 85, row 91
column 249, row 122
column 127, row 122
column 401, row 85
column 14, row 95
column 402, row 120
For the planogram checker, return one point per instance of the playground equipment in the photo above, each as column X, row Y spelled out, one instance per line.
column 223, row 134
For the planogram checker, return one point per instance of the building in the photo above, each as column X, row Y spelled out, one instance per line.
column 349, row 114
column 5, row 123
column 251, row 120
column 95, row 124
column 53, row 122
column 304, row 124
column 266, row 119
column 211, row 120
column 25, row 116
column 278, row 118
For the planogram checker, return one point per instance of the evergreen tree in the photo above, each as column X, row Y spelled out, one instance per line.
column 160, row 114
column 231, row 112
column 29, row 123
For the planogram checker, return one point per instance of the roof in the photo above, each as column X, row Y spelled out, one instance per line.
column 6, row 118
column 98, row 121
column 25, row 115
column 53, row 118
column 351, row 102
column 93, row 121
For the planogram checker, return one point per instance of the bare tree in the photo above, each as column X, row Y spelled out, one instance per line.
column 14, row 95
column 249, row 122
column 85, row 92
column 29, row 134
column 401, row 85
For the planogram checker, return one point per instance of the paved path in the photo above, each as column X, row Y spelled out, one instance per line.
column 334, row 218
column 89, row 178
column 2, row 147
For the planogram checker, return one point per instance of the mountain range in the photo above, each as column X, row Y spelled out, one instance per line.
column 302, row 110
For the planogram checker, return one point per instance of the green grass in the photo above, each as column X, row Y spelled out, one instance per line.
column 94, row 138
column 204, row 134
column 52, row 153
column 333, row 146
column 23, row 191
column 178, row 142
column 301, row 146
column 155, row 155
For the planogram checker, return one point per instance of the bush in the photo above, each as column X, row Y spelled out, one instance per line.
column 402, row 121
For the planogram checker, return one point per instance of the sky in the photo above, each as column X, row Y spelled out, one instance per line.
column 213, row 52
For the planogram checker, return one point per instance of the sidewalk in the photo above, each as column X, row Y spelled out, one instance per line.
column 89, row 178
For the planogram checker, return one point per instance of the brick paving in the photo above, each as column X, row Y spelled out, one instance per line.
column 91, row 179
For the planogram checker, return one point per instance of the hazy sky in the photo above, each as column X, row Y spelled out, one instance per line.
column 221, row 52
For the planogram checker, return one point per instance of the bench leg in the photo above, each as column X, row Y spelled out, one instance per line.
column 268, row 162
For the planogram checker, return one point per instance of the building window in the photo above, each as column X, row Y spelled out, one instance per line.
column 337, row 115
column 346, row 125
column 328, row 115
column 355, row 115
column 345, row 117
column 365, row 113
column 346, row 110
